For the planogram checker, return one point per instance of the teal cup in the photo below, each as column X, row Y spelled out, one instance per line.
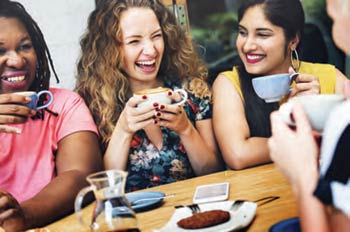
column 33, row 104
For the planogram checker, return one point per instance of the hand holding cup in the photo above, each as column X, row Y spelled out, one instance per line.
column 17, row 107
column 161, row 95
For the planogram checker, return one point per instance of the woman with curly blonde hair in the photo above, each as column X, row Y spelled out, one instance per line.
column 133, row 45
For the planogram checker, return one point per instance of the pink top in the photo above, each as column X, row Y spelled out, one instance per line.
column 27, row 160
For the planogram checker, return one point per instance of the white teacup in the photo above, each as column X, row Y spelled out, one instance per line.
column 317, row 108
column 33, row 104
column 160, row 95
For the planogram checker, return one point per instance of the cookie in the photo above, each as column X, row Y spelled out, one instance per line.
column 204, row 219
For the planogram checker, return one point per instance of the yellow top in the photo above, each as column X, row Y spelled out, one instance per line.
column 325, row 72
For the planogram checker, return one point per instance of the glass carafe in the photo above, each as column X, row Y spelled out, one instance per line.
column 112, row 211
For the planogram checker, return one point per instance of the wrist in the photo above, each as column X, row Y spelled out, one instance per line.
column 306, row 184
column 187, row 131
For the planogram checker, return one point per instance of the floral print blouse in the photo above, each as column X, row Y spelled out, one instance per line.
column 148, row 166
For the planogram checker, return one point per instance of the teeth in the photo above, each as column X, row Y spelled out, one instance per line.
column 254, row 57
column 15, row 79
column 146, row 62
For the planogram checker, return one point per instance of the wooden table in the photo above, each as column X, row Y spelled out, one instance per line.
column 250, row 184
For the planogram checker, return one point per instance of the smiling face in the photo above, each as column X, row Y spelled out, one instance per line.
column 17, row 57
column 262, row 45
column 143, row 47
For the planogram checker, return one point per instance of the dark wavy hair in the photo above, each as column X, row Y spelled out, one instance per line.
column 12, row 9
column 289, row 15
column 101, row 81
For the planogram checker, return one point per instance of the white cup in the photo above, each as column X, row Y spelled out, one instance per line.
column 160, row 96
column 317, row 108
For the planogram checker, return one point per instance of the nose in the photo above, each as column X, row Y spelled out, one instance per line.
column 249, row 44
column 149, row 48
column 15, row 60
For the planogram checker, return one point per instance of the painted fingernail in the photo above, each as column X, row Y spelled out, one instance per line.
column 144, row 97
column 154, row 117
column 170, row 93
column 157, row 109
column 155, row 121
column 162, row 107
column 155, row 104
column 158, row 114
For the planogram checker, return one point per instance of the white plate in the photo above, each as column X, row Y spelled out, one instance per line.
column 238, row 220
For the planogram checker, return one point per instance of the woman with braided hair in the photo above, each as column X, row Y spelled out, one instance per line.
column 45, row 155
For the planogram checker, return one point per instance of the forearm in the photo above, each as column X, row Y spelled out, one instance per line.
column 204, row 158
column 55, row 200
column 250, row 152
column 116, row 156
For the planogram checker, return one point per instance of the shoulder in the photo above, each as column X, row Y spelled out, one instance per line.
column 232, row 75
column 228, row 80
column 64, row 96
column 65, row 100
column 317, row 68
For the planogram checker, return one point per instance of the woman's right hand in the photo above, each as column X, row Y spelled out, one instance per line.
column 12, row 216
column 134, row 118
column 12, row 113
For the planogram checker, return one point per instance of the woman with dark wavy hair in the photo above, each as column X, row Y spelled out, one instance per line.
column 268, row 42
column 132, row 45
column 45, row 155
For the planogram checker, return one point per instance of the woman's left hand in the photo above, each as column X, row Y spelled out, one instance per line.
column 173, row 117
column 305, row 84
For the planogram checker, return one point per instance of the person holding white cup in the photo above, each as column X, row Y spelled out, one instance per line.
column 322, row 189
column 48, row 140
column 156, row 142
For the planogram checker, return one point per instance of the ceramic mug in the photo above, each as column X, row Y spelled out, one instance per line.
column 33, row 104
column 160, row 95
column 272, row 88
column 317, row 108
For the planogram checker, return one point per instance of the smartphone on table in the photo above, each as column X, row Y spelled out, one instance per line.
column 211, row 193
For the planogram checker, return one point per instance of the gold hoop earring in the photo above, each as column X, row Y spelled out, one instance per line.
column 295, row 60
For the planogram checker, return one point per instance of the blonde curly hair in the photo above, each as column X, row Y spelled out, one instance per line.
column 101, row 81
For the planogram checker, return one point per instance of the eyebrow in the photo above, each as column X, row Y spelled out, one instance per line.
column 140, row 36
column 260, row 29
column 25, row 39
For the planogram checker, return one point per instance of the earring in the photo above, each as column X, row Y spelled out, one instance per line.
column 295, row 60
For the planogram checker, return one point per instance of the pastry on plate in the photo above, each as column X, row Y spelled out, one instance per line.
column 204, row 219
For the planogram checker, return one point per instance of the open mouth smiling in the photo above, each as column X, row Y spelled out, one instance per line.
column 146, row 63
column 14, row 79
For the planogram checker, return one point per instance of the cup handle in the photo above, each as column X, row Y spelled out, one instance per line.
column 286, row 113
column 78, row 203
column 292, row 78
column 48, row 103
column 184, row 95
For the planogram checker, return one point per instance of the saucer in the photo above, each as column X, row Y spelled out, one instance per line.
column 145, row 205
